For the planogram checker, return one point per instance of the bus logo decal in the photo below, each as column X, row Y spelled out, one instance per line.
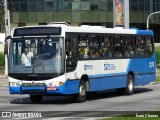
column 109, row 67
column 88, row 67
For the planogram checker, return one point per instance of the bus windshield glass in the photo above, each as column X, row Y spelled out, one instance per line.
column 36, row 55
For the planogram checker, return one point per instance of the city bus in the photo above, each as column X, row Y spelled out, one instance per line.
column 77, row 60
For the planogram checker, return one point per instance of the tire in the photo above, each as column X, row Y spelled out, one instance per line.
column 36, row 99
column 130, row 87
column 81, row 97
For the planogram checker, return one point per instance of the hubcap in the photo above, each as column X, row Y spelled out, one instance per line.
column 130, row 85
column 82, row 90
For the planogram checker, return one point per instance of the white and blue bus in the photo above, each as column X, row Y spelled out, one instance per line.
column 69, row 60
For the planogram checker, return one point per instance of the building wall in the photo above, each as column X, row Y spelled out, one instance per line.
column 77, row 12
column 35, row 11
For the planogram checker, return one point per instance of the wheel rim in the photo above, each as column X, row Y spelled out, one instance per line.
column 130, row 85
column 82, row 91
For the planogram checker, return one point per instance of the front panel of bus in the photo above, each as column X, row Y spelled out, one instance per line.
column 45, row 66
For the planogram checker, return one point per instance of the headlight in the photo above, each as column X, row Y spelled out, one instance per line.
column 14, row 84
column 55, row 83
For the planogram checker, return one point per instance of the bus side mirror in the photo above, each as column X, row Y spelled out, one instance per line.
column 67, row 55
column 6, row 48
column 6, row 45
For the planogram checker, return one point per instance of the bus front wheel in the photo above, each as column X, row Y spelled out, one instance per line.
column 81, row 97
column 36, row 98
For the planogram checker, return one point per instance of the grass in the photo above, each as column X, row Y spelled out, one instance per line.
column 158, row 78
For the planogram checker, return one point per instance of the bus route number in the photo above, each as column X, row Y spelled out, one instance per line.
column 151, row 64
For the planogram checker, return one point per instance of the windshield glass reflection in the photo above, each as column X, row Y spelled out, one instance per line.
column 36, row 55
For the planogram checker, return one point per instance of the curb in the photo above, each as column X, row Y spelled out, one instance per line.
column 4, row 85
column 153, row 83
column 3, row 77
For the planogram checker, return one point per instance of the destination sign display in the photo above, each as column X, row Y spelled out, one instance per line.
column 37, row 31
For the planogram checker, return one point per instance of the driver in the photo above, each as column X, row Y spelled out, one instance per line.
column 26, row 56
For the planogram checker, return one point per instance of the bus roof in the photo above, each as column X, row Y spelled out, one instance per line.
column 94, row 29
column 101, row 29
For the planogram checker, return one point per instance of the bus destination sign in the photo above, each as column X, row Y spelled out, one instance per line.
column 37, row 31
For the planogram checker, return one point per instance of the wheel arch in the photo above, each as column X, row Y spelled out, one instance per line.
column 85, row 78
column 131, row 73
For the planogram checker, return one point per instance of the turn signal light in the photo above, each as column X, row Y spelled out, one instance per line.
column 60, row 83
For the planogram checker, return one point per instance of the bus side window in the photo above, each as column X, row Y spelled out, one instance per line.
column 106, row 47
column 71, row 53
column 17, row 51
column 128, row 46
column 118, row 47
column 95, row 47
column 139, row 44
column 148, row 46
column 83, row 46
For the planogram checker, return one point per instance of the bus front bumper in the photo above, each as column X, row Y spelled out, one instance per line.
column 69, row 87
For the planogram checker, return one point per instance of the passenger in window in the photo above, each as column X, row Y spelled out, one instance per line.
column 86, row 53
column 106, row 43
column 127, row 54
column 139, row 52
column 148, row 43
column 81, row 52
column 95, row 54
column 138, row 42
column 118, row 52
column 100, row 53
column 131, row 52
column 104, row 52
column 109, row 53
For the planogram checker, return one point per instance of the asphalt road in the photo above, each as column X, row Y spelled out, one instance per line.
column 104, row 104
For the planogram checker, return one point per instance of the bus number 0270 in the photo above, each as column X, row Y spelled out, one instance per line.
column 151, row 64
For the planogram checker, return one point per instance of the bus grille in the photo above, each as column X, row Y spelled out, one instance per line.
column 33, row 85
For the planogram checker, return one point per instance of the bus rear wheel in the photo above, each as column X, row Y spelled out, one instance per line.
column 130, row 87
column 81, row 97
column 36, row 99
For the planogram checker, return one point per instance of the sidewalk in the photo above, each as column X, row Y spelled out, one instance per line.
column 3, row 81
column 2, row 76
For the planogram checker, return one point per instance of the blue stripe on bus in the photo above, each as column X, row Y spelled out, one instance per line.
column 15, row 90
column 144, row 32
column 107, row 75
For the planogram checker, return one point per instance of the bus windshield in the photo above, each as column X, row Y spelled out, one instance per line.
column 36, row 55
